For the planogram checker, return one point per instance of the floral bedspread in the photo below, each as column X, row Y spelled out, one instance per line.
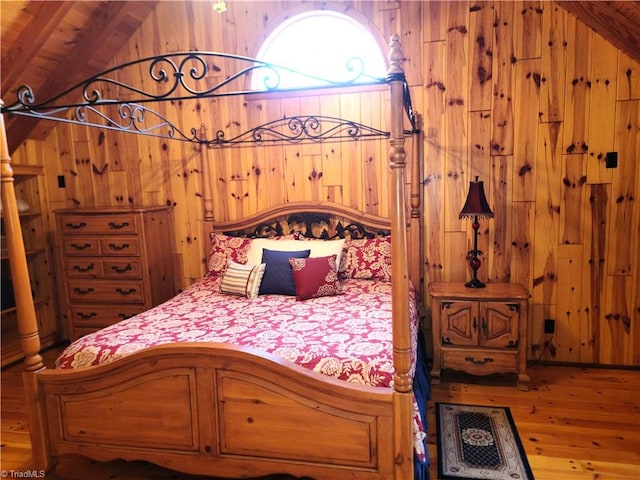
column 346, row 336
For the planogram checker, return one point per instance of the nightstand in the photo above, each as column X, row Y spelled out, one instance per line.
column 480, row 331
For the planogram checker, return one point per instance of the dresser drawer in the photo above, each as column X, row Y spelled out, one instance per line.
column 125, row 246
column 98, row 316
column 108, row 246
column 480, row 361
column 122, row 268
column 102, row 224
column 84, row 268
column 100, row 291
column 102, row 268
column 81, row 246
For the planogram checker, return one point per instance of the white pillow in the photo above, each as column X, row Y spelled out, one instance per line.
column 319, row 248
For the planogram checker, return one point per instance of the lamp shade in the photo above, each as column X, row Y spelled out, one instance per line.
column 476, row 203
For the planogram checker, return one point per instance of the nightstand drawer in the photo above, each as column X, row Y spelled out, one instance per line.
column 480, row 362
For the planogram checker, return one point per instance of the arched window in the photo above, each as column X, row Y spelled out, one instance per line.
column 328, row 45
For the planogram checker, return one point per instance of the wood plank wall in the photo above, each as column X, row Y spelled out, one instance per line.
column 519, row 93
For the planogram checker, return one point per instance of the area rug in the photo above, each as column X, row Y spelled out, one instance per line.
column 476, row 442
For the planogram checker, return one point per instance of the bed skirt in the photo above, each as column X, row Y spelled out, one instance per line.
column 421, row 391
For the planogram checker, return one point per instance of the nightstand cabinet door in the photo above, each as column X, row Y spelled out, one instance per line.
column 459, row 324
column 499, row 324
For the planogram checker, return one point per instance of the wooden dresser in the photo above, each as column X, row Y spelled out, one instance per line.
column 116, row 263
column 480, row 331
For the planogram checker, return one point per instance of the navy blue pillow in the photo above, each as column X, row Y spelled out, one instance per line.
column 278, row 275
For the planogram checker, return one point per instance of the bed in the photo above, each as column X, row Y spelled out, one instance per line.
column 223, row 400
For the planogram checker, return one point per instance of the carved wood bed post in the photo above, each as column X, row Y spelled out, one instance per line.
column 402, row 382
column 207, row 196
column 27, row 324
column 416, row 253
column 25, row 309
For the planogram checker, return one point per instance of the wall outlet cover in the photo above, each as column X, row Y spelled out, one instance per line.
column 549, row 326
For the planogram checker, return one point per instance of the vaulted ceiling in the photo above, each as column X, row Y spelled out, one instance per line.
column 51, row 45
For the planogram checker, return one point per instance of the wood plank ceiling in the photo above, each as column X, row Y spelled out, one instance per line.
column 51, row 45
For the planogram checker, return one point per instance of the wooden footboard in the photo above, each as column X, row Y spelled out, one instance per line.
column 219, row 410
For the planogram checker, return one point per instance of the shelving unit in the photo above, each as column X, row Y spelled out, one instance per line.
column 29, row 185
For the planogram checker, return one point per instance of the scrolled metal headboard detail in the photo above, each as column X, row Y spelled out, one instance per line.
column 311, row 225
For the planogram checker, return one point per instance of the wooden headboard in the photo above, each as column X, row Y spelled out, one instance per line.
column 325, row 220
column 311, row 220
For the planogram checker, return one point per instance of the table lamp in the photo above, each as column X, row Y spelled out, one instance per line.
column 475, row 206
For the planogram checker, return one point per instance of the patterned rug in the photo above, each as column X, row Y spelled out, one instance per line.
column 477, row 442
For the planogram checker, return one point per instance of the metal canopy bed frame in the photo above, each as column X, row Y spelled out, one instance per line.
column 48, row 391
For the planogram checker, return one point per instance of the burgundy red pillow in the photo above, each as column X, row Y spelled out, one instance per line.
column 316, row 277
column 224, row 248
column 367, row 258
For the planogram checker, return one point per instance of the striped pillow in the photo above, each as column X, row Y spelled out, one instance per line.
column 243, row 280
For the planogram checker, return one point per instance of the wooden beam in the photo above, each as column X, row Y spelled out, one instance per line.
column 46, row 18
column 111, row 25
column 618, row 22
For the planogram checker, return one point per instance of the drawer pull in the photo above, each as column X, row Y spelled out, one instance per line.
column 117, row 226
column 478, row 362
column 118, row 248
column 122, row 291
column 124, row 316
column 80, row 268
column 124, row 269
column 75, row 226
column 81, row 247
column 83, row 291
column 475, row 324
column 87, row 316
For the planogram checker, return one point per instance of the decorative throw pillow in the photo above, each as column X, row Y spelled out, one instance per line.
column 278, row 275
column 243, row 280
column 367, row 258
column 316, row 277
column 224, row 248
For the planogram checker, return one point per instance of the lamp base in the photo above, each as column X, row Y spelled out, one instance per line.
column 474, row 283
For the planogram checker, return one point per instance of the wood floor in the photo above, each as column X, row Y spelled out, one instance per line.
column 574, row 423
